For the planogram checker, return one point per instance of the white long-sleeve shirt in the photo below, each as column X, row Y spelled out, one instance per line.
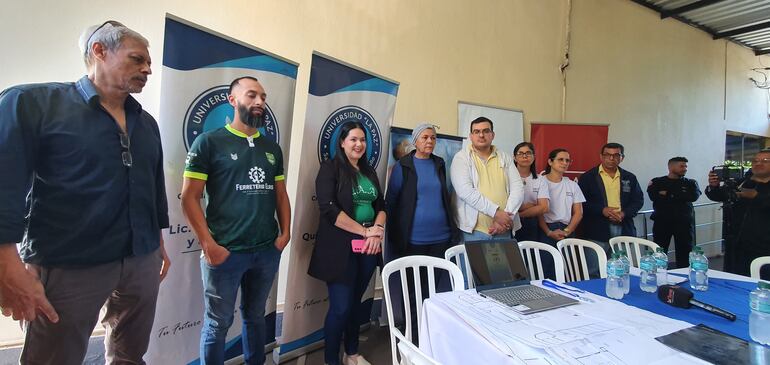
column 470, row 201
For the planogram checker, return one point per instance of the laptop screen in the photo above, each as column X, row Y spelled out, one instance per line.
column 496, row 263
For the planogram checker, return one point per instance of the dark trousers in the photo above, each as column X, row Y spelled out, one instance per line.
column 529, row 231
column 684, row 237
column 345, row 308
column 127, row 288
column 549, row 270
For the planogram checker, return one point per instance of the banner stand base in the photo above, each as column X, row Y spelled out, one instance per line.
column 279, row 358
column 239, row 359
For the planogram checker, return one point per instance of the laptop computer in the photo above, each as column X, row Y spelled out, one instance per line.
column 500, row 274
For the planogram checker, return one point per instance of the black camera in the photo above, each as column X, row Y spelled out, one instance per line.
column 728, row 174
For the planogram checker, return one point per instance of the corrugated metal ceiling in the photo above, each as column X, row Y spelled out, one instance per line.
column 746, row 22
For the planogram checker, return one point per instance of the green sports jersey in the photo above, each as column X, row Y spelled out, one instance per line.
column 240, row 183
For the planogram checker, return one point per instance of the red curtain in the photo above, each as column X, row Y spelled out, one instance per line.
column 582, row 141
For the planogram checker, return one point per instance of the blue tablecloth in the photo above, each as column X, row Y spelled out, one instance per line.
column 729, row 295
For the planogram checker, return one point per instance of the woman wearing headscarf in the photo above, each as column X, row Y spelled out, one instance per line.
column 419, row 212
column 419, row 219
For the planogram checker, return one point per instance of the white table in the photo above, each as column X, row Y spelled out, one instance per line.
column 464, row 328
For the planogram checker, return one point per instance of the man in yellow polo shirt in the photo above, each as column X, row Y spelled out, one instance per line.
column 613, row 197
column 488, row 188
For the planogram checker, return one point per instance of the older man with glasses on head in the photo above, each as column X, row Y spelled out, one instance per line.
column 83, row 192
column 747, row 213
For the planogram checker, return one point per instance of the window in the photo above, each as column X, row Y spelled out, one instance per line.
column 741, row 147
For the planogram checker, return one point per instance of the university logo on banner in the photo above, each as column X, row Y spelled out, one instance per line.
column 211, row 110
column 328, row 139
column 198, row 67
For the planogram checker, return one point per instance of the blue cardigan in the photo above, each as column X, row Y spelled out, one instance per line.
column 595, row 225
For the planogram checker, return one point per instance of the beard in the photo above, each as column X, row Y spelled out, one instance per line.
column 133, row 87
column 248, row 118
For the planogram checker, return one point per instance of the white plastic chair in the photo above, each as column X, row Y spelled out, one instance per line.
column 635, row 247
column 570, row 247
column 757, row 264
column 456, row 254
column 410, row 354
column 531, row 251
column 415, row 263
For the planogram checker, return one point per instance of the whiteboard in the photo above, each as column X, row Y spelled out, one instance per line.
column 508, row 124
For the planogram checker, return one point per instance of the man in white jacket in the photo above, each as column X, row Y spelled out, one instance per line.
column 487, row 187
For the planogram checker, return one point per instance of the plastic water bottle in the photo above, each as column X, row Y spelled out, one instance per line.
column 626, row 271
column 648, row 280
column 661, row 261
column 699, row 279
column 759, row 320
column 615, row 270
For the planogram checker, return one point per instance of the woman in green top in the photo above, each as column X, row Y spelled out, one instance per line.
column 352, row 208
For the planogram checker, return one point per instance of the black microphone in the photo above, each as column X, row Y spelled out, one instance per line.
column 680, row 297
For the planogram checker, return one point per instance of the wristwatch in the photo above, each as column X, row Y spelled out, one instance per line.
column 566, row 230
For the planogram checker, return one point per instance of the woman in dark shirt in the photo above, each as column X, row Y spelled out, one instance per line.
column 352, row 208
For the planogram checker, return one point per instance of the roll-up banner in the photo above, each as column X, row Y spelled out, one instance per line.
column 198, row 67
column 338, row 93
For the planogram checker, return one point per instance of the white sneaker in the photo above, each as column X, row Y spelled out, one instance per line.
column 355, row 360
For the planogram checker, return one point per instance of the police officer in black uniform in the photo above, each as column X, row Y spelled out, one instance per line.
column 672, row 196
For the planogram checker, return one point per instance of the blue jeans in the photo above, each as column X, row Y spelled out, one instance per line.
column 253, row 272
column 616, row 230
column 346, row 312
column 481, row 236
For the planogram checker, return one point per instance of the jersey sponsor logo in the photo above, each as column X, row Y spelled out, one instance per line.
column 211, row 110
column 328, row 138
column 270, row 158
column 257, row 176
column 234, row 156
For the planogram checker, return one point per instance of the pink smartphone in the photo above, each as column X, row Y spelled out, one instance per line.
column 358, row 245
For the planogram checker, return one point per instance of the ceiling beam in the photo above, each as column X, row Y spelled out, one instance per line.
column 759, row 52
column 689, row 7
column 742, row 30
column 677, row 17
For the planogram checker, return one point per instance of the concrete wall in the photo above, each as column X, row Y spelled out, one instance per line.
column 663, row 87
